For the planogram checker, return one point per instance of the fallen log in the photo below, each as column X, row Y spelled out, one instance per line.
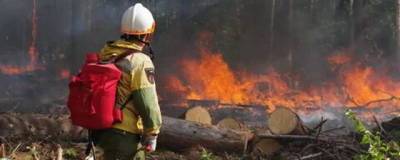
column 173, row 109
column 252, row 116
column 284, row 121
column 231, row 123
column 304, row 137
column 266, row 147
column 179, row 134
column 176, row 134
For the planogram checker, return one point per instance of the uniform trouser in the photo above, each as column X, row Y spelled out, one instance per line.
column 119, row 145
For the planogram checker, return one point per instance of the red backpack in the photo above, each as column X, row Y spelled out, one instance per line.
column 92, row 93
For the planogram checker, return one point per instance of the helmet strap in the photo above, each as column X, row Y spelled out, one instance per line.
column 151, row 52
column 141, row 40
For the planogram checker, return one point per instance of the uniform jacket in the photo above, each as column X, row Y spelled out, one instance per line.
column 141, row 114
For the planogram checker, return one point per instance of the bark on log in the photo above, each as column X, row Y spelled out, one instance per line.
column 172, row 109
column 251, row 116
column 285, row 121
column 179, row 134
column 176, row 134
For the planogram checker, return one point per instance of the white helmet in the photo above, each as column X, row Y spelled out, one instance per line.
column 137, row 20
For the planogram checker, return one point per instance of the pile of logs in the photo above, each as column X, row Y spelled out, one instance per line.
column 248, row 130
column 249, row 115
column 288, row 135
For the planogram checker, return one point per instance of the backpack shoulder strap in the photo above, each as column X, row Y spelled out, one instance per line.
column 123, row 55
column 120, row 57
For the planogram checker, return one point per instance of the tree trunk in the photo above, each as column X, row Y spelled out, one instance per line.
column 179, row 134
column 271, row 29
column 398, row 29
column 252, row 116
column 352, row 23
column 291, row 40
column 266, row 147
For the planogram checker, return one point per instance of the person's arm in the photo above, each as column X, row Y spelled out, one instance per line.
column 144, row 97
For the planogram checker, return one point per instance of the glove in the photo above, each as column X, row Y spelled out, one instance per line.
column 149, row 143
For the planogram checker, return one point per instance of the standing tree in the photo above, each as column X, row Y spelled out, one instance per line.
column 398, row 29
column 352, row 23
column 271, row 40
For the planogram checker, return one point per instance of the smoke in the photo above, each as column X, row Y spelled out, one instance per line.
column 241, row 31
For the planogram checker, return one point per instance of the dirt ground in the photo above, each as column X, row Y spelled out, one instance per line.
column 48, row 150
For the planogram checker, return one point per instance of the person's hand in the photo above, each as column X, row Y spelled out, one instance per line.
column 149, row 143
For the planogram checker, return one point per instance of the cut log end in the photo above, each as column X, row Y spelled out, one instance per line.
column 198, row 114
column 231, row 123
column 266, row 147
column 282, row 121
column 285, row 121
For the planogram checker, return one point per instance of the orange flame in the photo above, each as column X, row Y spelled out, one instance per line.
column 365, row 85
column 356, row 85
column 32, row 53
column 214, row 79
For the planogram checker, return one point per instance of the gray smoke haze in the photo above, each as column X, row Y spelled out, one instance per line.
column 67, row 30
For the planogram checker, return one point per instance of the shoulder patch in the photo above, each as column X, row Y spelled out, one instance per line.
column 150, row 74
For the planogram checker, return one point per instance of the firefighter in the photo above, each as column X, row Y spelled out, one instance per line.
column 136, row 92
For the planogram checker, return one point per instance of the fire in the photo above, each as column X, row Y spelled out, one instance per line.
column 214, row 79
column 355, row 85
column 32, row 52
column 15, row 70
column 364, row 85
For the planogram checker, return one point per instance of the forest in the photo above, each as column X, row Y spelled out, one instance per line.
column 255, row 79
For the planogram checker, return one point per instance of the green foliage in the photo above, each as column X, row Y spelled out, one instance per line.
column 205, row 155
column 377, row 148
column 71, row 153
